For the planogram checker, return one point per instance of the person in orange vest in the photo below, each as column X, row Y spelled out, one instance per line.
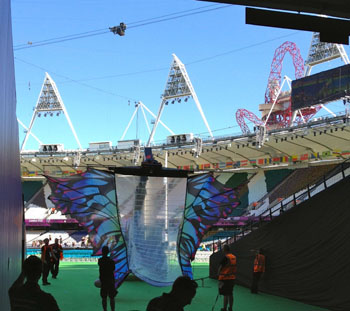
column 227, row 276
column 258, row 270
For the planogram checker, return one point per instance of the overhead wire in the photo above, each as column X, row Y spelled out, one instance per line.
column 137, row 24
column 76, row 81
column 151, row 70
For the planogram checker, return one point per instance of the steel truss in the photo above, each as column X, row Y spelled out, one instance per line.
column 49, row 102
column 178, row 86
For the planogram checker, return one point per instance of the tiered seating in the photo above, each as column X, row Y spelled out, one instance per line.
column 299, row 180
column 69, row 239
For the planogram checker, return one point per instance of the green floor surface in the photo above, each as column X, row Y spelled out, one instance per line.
column 74, row 291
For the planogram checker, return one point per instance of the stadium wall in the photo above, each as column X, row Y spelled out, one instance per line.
column 10, row 182
column 307, row 251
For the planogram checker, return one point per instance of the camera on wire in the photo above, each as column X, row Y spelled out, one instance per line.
column 120, row 30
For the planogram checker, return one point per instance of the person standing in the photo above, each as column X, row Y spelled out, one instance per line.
column 258, row 270
column 58, row 252
column 106, row 268
column 47, row 257
column 28, row 296
column 227, row 276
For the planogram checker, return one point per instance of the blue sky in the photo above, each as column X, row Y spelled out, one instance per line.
column 227, row 61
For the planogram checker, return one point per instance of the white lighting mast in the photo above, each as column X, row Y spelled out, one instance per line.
column 49, row 103
column 178, row 86
column 321, row 52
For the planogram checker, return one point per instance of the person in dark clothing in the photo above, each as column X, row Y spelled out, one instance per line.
column 57, row 251
column 47, row 256
column 182, row 293
column 258, row 270
column 106, row 267
column 28, row 296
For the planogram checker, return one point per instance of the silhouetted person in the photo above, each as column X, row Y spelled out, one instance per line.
column 227, row 276
column 47, row 257
column 28, row 296
column 57, row 251
column 258, row 270
column 182, row 293
column 107, row 266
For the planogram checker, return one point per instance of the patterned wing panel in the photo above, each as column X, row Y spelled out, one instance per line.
column 207, row 201
column 90, row 198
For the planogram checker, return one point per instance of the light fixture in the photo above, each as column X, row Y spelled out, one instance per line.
column 65, row 159
column 34, row 160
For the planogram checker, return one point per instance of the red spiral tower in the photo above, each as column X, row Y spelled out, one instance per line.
column 277, row 105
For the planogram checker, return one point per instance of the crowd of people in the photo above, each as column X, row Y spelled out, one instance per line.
column 25, row 296
column 71, row 243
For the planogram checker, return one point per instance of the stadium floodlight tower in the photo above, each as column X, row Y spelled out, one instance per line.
column 321, row 52
column 49, row 102
column 178, row 86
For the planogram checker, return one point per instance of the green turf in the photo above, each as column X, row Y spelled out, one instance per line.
column 74, row 290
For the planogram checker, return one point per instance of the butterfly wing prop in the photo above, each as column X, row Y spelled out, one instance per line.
column 90, row 198
column 207, row 201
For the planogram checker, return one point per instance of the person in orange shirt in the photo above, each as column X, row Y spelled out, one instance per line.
column 227, row 276
column 258, row 270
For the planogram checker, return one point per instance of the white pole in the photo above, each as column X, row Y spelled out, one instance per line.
column 132, row 118
column 166, row 199
column 330, row 111
column 160, row 121
column 144, row 116
column 275, row 100
column 156, row 123
column 36, row 138
column 33, row 118
column 53, row 84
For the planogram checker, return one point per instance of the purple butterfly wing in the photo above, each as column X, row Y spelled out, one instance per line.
column 207, row 201
column 90, row 198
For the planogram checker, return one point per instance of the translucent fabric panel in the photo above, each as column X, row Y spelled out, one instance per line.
column 151, row 211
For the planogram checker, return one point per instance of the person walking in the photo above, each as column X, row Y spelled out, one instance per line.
column 58, row 252
column 28, row 296
column 258, row 270
column 47, row 256
column 227, row 276
column 106, row 268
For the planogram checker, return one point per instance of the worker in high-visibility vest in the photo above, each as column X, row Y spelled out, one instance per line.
column 258, row 270
column 227, row 276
